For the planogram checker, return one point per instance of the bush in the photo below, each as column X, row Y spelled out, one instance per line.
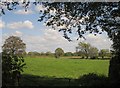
column 92, row 79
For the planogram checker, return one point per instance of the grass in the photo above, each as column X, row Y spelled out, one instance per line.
column 64, row 68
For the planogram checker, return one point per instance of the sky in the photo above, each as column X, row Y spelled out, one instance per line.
column 40, row 38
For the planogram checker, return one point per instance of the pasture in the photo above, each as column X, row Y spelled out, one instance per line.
column 64, row 68
column 49, row 71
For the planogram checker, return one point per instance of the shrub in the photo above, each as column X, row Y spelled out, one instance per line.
column 92, row 79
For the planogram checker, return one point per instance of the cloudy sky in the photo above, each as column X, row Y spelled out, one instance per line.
column 40, row 38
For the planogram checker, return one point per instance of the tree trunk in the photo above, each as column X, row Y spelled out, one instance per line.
column 114, row 68
column 102, row 57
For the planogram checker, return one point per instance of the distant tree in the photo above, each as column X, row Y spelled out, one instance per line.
column 93, row 52
column 30, row 54
column 12, row 60
column 110, row 54
column 24, row 54
column 75, row 54
column 84, row 48
column 68, row 54
column 59, row 52
column 81, row 54
column 42, row 53
column 103, row 53
column 49, row 53
column 33, row 53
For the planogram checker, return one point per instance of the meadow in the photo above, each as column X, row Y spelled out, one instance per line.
column 37, row 69
column 65, row 68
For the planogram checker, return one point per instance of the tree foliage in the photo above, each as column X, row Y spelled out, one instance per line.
column 68, row 54
column 12, row 60
column 93, row 52
column 59, row 52
column 49, row 53
column 103, row 53
column 14, row 45
column 85, row 49
column 34, row 53
column 93, row 15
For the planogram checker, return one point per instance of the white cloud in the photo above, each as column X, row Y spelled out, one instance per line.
column 49, row 41
column 23, row 12
column 52, row 39
column 2, row 24
column 6, row 35
column 99, row 41
column 17, row 33
column 20, row 25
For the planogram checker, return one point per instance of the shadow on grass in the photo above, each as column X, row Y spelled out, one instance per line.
column 31, row 80
column 89, row 80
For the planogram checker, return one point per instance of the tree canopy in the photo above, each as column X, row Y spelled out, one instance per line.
column 104, row 52
column 85, row 49
column 59, row 52
column 14, row 45
column 96, row 17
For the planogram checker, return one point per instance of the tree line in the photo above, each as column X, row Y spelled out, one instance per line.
column 83, row 50
column 86, row 50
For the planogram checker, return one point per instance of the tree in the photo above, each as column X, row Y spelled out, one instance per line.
column 42, row 54
column 34, row 53
column 49, row 53
column 103, row 53
column 84, row 48
column 59, row 52
column 12, row 60
column 93, row 15
column 68, row 54
column 93, row 52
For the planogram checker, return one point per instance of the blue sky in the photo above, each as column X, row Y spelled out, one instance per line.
column 40, row 38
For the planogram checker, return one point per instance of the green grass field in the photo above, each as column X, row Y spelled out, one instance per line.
column 64, row 68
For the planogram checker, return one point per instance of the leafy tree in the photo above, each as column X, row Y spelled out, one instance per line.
column 12, row 60
column 59, row 52
column 33, row 53
column 49, row 53
column 75, row 54
column 68, row 54
column 84, row 48
column 81, row 54
column 95, row 16
column 93, row 52
column 42, row 53
column 103, row 53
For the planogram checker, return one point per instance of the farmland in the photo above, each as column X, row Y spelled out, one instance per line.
column 51, row 67
column 68, row 68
